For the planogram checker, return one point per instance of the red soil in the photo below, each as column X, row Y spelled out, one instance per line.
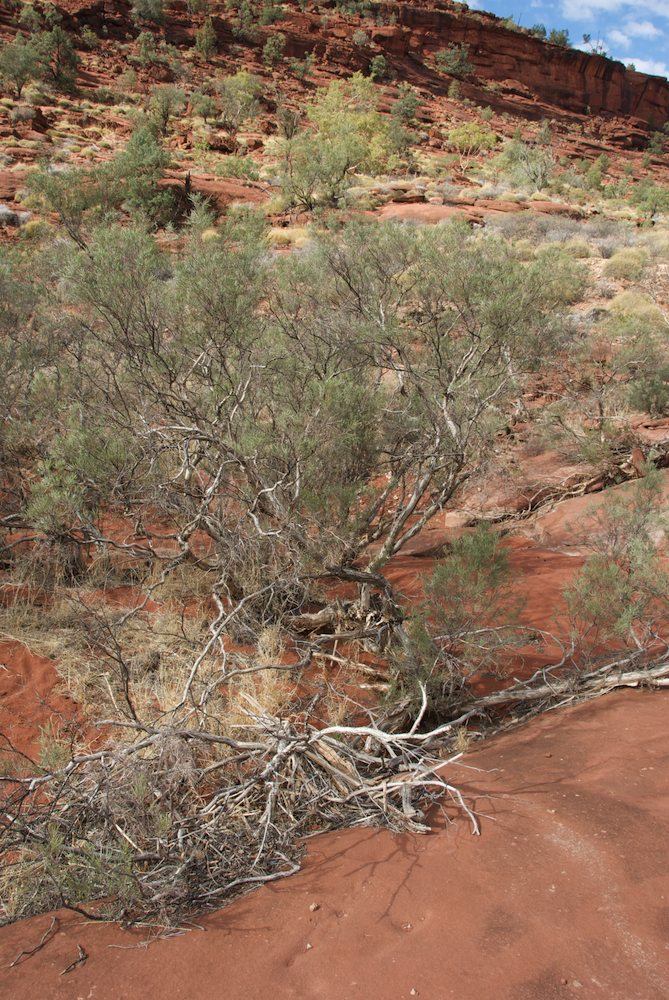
column 29, row 697
column 565, row 894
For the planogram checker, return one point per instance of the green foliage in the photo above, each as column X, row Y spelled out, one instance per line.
column 539, row 31
column 596, row 173
column 315, row 169
column 528, row 166
column 471, row 138
column 236, row 166
column 650, row 198
column 351, row 135
column 89, row 38
column 346, row 114
column 465, row 624
column 204, row 105
column 378, row 68
column 559, row 36
column 244, row 25
column 56, row 500
column 76, row 194
column 82, row 197
column 454, row 90
column 166, row 102
column 67, row 872
column 272, row 52
column 620, row 595
column 58, row 58
column 138, row 169
column 206, row 41
column 238, row 96
column 270, row 12
column 301, row 68
column 198, row 7
column 628, row 264
column 407, row 106
column 454, row 60
column 148, row 10
column 146, row 48
column 19, row 63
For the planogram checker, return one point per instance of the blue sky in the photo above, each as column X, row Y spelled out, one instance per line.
column 634, row 31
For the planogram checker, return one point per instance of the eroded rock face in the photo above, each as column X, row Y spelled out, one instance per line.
column 568, row 78
column 508, row 62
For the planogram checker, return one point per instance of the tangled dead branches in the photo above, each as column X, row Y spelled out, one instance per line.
column 179, row 819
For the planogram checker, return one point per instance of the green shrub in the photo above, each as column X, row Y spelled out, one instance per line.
column 203, row 105
column 148, row 10
column 238, row 99
column 627, row 264
column 205, row 39
column 272, row 52
column 236, row 166
column 651, row 199
column 301, row 68
column 89, row 38
column 378, row 68
column 407, row 105
column 19, row 63
column 559, row 36
column 454, row 60
column 166, row 101
column 528, row 166
column 57, row 56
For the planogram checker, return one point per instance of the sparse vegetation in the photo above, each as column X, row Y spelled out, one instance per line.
column 454, row 60
column 225, row 427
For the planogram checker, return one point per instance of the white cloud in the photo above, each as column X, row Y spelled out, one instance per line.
column 618, row 38
column 642, row 29
column 652, row 66
column 581, row 9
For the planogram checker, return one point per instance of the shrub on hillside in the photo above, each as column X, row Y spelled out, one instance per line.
column 627, row 264
column 454, row 60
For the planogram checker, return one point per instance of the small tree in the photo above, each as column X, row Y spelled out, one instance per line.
column 454, row 60
column 206, row 41
column 204, row 105
column 315, row 168
column 138, row 170
column 378, row 68
column 166, row 102
column 57, row 56
column 620, row 595
column 465, row 624
column 407, row 105
column 559, row 36
column 469, row 139
column 238, row 100
column 19, row 63
column 76, row 195
column 651, row 198
column 529, row 166
column 148, row 10
column 272, row 52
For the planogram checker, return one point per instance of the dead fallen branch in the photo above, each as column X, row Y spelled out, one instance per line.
column 177, row 818
column 46, row 937
column 79, row 960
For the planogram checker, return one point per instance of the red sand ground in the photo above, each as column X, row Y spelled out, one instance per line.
column 565, row 894
column 30, row 697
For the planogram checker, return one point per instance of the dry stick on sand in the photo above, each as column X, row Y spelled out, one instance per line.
column 46, row 937
column 221, row 813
